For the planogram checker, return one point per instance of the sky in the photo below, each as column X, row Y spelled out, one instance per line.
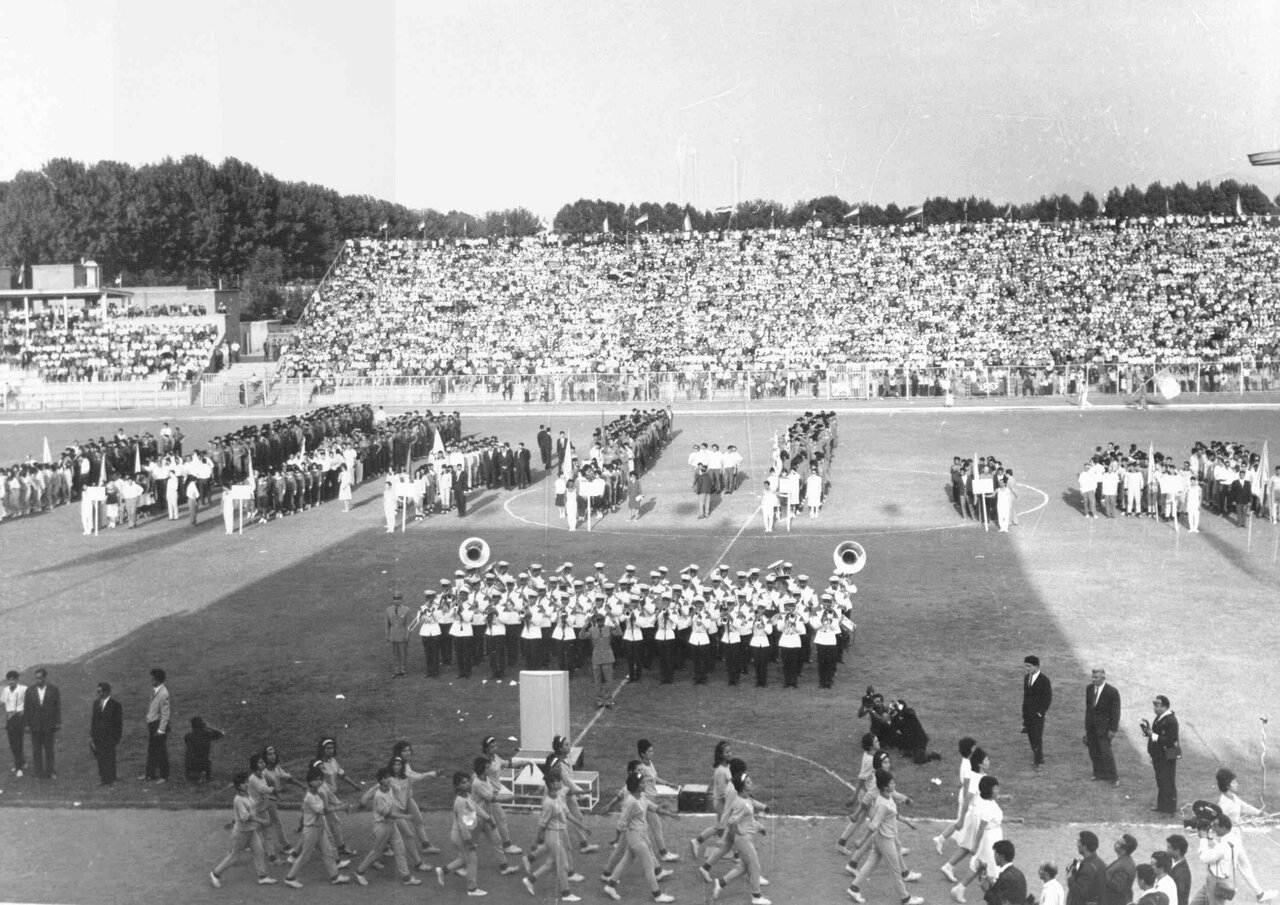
column 480, row 105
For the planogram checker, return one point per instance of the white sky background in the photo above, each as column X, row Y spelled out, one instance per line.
column 485, row 104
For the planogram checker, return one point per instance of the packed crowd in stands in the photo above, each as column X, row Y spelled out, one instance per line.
column 82, row 347
column 989, row 293
column 138, row 310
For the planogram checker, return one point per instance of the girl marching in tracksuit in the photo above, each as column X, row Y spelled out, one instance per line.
column 551, row 840
column 315, row 833
column 332, row 774
column 246, row 832
column 634, row 823
column 402, row 779
column 720, row 779
column 468, row 819
column 387, row 814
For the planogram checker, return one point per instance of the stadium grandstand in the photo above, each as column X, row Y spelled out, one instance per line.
column 1011, row 294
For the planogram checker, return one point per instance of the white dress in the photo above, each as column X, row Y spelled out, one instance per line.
column 987, row 810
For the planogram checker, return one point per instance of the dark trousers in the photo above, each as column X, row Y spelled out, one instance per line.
column 635, row 664
column 42, row 753
column 446, row 645
column 732, row 660
column 532, row 652
column 497, row 655
column 826, row 656
column 431, row 652
column 1166, row 784
column 14, row 729
column 761, row 657
column 790, row 666
column 157, row 752
column 462, row 647
column 700, row 654
column 1035, row 737
column 106, row 757
column 1104, row 763
column 666, row 660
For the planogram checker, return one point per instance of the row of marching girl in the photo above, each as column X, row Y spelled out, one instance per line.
column 737, row 827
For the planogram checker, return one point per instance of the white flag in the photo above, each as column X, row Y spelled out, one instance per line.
column 914, row 212
column 688, row 227
column 606, row 225
column 853, row 213
column 422, row 224
column 643, row 218
column 384, row 225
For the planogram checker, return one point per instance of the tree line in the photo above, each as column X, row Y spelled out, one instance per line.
column 190, row 221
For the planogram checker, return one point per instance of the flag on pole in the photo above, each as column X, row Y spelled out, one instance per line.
column 914, row 212
column 1008, row 211
column 137, row 459
column 422, row 224
column 252, row 480
column 1167, row 385
column 102, row 469
column 853, row 213
column 642, row 219
column 1260, row 486
column 727, row 209
column 1239, row 208
column 437, row 446
column 119, row 279
column 568, row 455
column 384, row 225
column 1151, row 466
column 605, row 228
column 688, row 227
column 48, row 457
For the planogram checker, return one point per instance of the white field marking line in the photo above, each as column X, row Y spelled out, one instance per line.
column 599, row 711
column 742, row 741
column 798, row 405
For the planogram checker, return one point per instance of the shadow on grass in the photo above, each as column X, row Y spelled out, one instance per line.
column 301, row 653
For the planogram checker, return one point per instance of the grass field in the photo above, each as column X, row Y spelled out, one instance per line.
column 261, row 633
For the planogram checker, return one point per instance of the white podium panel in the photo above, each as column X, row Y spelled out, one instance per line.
column 544, row 708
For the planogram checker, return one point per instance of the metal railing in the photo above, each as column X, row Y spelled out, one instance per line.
column 854, row 382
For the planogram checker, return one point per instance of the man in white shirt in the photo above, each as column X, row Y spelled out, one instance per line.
column 732, row 459
column 11, row 699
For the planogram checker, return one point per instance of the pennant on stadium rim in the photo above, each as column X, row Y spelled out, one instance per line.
column 1167, row 385
column 642, row 219
column 914, row 212
column 1264, row 472
column 1239, row 208
column 48, row 457
column 1008, row 211
column 853, row 213
column 605, row 228
column 688, row 227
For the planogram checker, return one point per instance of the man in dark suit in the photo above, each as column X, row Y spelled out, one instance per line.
column 562, row 449
column 1176, row 846
column 1118, row 889
column 106, row 726
column 524, row 476
column 1010, row 886
column 1086, row 876
column 1037, row 696
column 1101, row 723
column 1164, row 750
column 544, row 446
column 43, row 709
